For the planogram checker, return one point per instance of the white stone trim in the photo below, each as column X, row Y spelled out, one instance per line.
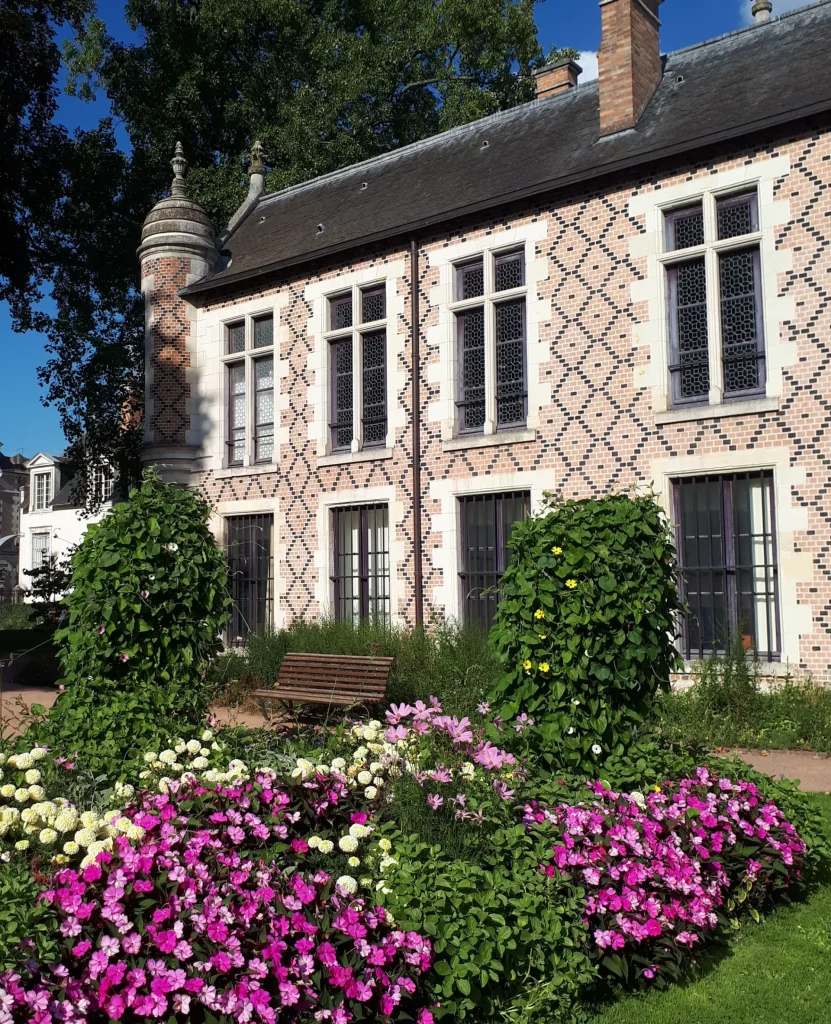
column 776, row 308
column 795, row 567
column 209, row 388
column 318, row 399
column 441, row 335
column 325, row 553
column 447, row 553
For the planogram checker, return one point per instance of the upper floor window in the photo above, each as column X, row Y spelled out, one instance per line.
column 490, row 315
column 103, row 481
column 713, row 270
column 43, row 490
column 249, row 370
column 356, row 335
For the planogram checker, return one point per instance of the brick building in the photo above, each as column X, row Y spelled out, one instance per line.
column 622, row 282
column 14, row 480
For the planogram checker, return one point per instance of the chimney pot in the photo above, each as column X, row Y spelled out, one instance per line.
column 761, row 11
column 557, row 77
column 629, row 61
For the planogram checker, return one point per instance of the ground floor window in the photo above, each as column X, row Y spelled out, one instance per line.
column 486, row 524
column 41, row 549
column 361, row 564
column 250, row 574
column 727, row 556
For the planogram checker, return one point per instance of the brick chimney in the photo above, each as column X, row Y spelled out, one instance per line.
column 629, row 61
column 557, row 77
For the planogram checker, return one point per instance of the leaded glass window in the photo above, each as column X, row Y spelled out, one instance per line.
column 358, row 369
column 726, row 541
column 236, row 337
column 486, row 524
column 714, row 300
column 471, row 403
column 264, row 410
column 361, row 564
column 236, row 414
column 510, row 363
column 509, row 271
column 263, row 332
column 470, row 280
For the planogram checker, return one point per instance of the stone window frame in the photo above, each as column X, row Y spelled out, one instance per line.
column 649, row 207
column 441, row 337
column 247, row 356
column 45, row 552
column 49, row 491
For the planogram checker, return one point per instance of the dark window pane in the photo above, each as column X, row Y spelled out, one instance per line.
column 471, row 401
column 741, row 322
column 361, row 572
column 689, row 357
column 736, row 215
column 264, row 410
column 340, row 312
column 470, row 280
column 508, row 271
column 236, row 337
column 250, row 578
column 685, row 228
column 373, row 304
column 236, row 413
column 487, row 521
column 375, row 387
column 510, row 363
column 342, row 393
column 263, row 331
column 726, row 553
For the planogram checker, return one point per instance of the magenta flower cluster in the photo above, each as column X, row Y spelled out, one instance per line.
column 429, row 720
column 195, row 918
column 659, row 868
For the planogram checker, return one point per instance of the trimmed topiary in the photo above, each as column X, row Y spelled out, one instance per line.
column 146, row 606
column 586, row 624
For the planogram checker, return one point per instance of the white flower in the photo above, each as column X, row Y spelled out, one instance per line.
column 385, row 845
column 387, row 862
column 71, row 848
column 167, row 757
column 194, row 746
column 349, row 844
column 164, row 784
column 85, row 836
column 180, row 746
column 376, row 767
column 199, row 762
column 576, row 702
column 37, row 792
column 370, row 735
column 338, row 764
column 21, row 795
column 360, row 754
column 314, row 842
column 570, row 730
column 48, row 836
column 468, row 769
column 370, row 792
column 66, row 821
column 124, row 789
column 32, row 776
column 354, row 862
column 207, row 736
column 347, row 883
column 89, row 819
column 596, row 748
column 365, row 778
column 22, row 844
column 326, row 846
column 322, row 769
column 205, row 751
column 135, row 833
column 7, row 790
column 358, row 831
column 377, row 782
column 638, row 798
column 23, row 761
column 151, row 756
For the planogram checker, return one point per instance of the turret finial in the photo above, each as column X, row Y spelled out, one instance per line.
column 257, row 164
column 180, row 167
column 761, row 11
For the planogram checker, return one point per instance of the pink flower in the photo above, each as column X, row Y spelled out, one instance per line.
column 483, row 708
column 123, row 657
column 434, row 801
column 299, row 846
column 101, row 628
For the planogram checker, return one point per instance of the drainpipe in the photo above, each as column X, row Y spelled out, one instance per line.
column 418, row 576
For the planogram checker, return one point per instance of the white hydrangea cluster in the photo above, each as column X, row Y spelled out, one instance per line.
column 199, row 759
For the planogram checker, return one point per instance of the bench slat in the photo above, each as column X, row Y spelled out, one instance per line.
column 339, row 679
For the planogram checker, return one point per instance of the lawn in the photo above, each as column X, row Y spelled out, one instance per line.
column 779, row 971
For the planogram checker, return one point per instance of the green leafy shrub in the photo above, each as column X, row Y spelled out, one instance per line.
column 584, row 630
column 28, row 928
column 145, row 610
column 15, row 617
column 507, row 940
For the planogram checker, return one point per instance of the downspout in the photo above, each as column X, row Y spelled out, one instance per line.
column 415, row 327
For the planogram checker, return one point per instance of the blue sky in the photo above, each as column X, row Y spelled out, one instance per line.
column 25, row 425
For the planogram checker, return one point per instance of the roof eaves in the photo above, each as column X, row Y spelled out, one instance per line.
column 550, row 185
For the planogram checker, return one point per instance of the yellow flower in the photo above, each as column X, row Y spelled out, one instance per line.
column 544, row 666
column 556, row 551
column 571, row 584
column 539, row 614
column 656, row 789
column 543, row 636
column 526, row 664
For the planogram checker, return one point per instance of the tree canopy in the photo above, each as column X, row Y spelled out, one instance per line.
column 322, row 83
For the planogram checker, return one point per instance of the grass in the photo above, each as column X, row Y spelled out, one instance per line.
column 779, row 971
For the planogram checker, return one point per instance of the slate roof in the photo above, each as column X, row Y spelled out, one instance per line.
column 752, row 79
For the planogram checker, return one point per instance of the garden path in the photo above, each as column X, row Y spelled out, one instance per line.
column 813, row 770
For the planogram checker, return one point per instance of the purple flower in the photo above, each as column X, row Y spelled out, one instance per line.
column 483, row 708
column 434, row 801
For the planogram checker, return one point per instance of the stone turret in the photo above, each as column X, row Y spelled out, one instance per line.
column 177, row 249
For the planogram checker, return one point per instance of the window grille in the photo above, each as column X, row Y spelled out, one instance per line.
column 103, row 482
column 471, row 403
column 342, row 393
column 340, row 310
column 374, row 388
column 264, row 410
column 373, row 304
column 236, row 414
column 236, row 337
column 743, row 350
column 41, row 549
column 361, row 564
column 263, row 331
column 486, row 524
column 509, row 271
column 690, row 363
column 250, row 575
column 726, row 541
column 510, row 363
column 470, row 280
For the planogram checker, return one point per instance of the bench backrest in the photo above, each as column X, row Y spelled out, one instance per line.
column 344, row 679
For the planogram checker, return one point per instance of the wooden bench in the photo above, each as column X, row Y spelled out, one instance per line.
column 335, row 679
